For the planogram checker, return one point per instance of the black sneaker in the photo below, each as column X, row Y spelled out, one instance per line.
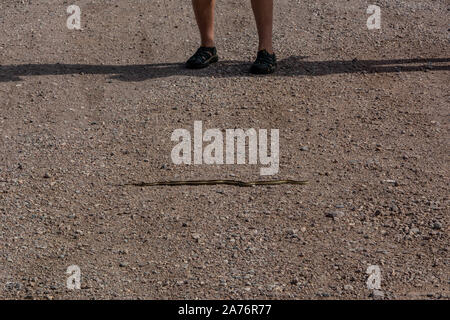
column 202, row 58
column 265, row 63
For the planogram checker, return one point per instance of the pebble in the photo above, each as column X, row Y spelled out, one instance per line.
column 335, row 214
column 437, row 226
column 323, row 294
column 393, row 182
column 348, row 287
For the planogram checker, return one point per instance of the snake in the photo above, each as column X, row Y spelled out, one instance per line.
column 217, row 182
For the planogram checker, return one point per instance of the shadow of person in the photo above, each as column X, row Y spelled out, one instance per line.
column 290, row 67
column 296, row 66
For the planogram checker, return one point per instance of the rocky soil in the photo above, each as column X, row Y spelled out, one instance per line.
column 363, row 115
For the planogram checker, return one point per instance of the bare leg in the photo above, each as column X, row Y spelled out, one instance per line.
column 204, row 14
column 263, row 11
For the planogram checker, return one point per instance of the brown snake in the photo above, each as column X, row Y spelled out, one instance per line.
column 216, row 182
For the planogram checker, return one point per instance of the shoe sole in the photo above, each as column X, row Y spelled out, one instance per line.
column 259, row 71
column 213, row 59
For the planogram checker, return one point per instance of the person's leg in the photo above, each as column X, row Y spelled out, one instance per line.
column 263, row 11
column 266, row 61
column 204, row 14
column 207, row 53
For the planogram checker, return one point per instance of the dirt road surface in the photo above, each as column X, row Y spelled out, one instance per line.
column 363, row 115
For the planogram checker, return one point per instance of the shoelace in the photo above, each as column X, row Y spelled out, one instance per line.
column 264, row 58
column 203, row 53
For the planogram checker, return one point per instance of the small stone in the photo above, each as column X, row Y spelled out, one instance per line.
column 335, row 214
column 47, row 175
column 393, row 182
column 123, row 264
column 393, row 207
column 437, row 226
column 196, row 236
column 275, row 288
column 348, row 287
column 304, row 148
column 323, row 294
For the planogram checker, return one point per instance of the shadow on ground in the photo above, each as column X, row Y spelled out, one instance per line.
column 292, row 66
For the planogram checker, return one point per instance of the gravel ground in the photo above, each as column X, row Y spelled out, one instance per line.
column 363, row 115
